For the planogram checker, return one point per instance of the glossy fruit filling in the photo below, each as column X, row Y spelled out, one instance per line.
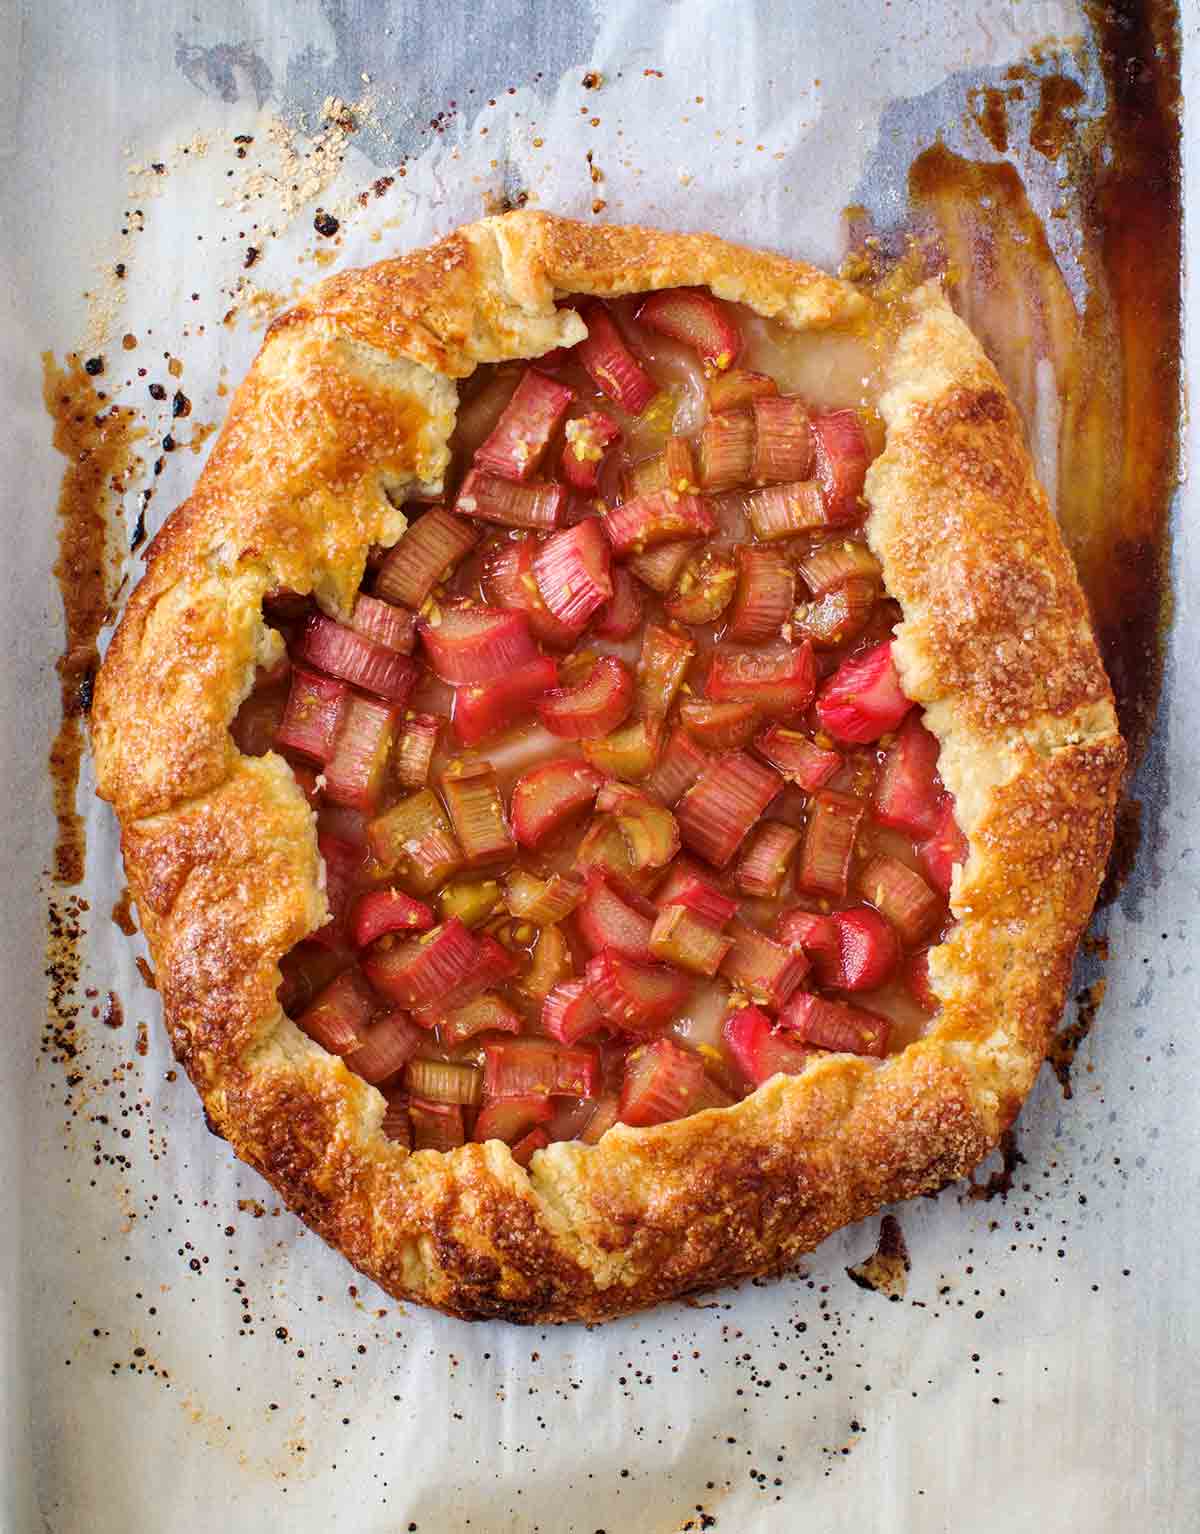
column 621, row 805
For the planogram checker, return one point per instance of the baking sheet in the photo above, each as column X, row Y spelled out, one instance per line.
column 177, row 1353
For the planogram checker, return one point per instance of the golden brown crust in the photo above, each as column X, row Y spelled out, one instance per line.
column 351, row 399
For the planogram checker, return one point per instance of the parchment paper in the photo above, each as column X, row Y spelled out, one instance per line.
column 176, row 1353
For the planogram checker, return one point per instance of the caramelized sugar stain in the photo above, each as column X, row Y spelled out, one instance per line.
column 886, row 1270
column 96, row 438
column 999, row 1182
column 122, row 912
column 1066, row 1042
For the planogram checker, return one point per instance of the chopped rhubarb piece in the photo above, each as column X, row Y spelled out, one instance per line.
column 424, row 557
column 766, row 592
column 738, row 387
column 767, row 971
column 354, row 774
column 396, row 1124
column 472, row 795
column 649, row 829
column 867, row 951
column 679, row 466
column 307, row 969
column 778, row 679
column 436, row 1126
column 662, row 666
column 681, row 763
column 444, row 1081
column 604, row 1116
column 696, row 318
column 523, row 1151
column 704, row 587
column 421, row 970
column 545, row 798
column 552, row 963
column 782, row 511
column 343, row 868
column 386, row 1048
column 660, row 567
column 621, row 616
column 842, row 456
column 636, row 998
column 682, row 938
column 570, row 1013
column 610, row 364
column 528, row 1067
column 385, row 623
column 509, row 582
column 839, row 616
column 908, row 790
column 497, row 705
column 353, row 658
column 800, row 760
column 726, row 458
column 836, row 1025
column 606, row 851
column 837, row 561
column 758, row 1051
column 662, row 1082
column 717, row 812
column 833, row 823
column 487, row 1013
column 645, row 477
column 662, row 517
column 818, row 936
column 863, row 700
column 511, row 1118
column 720, row 726
column 783, row 440
column 414, row 749
column 686, row 885
column 572, row 572
column 489, row 498
column 387, row 910
column 541, row 901
column 629, row 753
column 764, row 864
column 338, row 1018
column 256, row 724
column 945, row 848
column 312, row 716
column 606, row 920
column 588, row 438
column 595, row 706
column 917, row 982
column 902, row 896
column 414, row 840
column 518, row 441
column 474, row 645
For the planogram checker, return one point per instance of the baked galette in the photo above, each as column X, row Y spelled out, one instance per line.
column 612, row 762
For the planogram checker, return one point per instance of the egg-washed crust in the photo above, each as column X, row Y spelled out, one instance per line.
column 347, row 409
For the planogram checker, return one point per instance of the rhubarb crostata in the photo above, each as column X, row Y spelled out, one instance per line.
column 613, row 764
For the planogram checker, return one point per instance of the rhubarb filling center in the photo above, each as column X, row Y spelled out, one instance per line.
column 621, row 805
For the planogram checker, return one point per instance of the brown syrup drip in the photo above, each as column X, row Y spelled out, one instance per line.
column 1065, row 1043
column 886, row 1270
column 96, row 438
column 999, row 1183
column 122, row 913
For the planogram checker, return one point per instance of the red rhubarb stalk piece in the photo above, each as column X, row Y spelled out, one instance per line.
column 421, row 970
column 622, row 616
column 414, row 749
column 717, row 812
column 509, row 700
column 662, row 666
column 726, row 452
column 436, row 1126
column 660, row 567
column 833, row 822
column 425, row 556
column 817, row 936
column 593, row 707
column 799, row 759
column 385, row 623
column 572, row 573
column 765, row 595
column 719, row 726
column 487, row 1013
column 256, row 723
column 588, row 438
column 764, row 864
column 908, row 791
column 783, row 440
column 868, row 951
column 704, row 587
column 353, row 658
column 523, row 1151
column 472, row 795
column 548, row 796
column 665, row 516
column 630, row 752
column 636, row 998
column 386, row 1048
column 945, row 848
column 338, row 1018
column 650, row 831
column 518, row 441
column 917, row 982
column 842, row 456
column 610, row 364
column 607, row 920
column 387, row 910
column 783, row 511
column 682, row 938
column 468, row 646
column 508, row 503
column 511, row 1118
column 604, row 1116
column 343, row 868
column 687, row 885
column 355, row 773
column 778, row 679
column 696, row 318
column 529, row 1067
column 738, row 387
column 837, row 561
column 901, row 894
column 313, row 713
column 662, row 1082
column 836, row 1025
column 570, row 1013
column 767, row 971
column 681, row 763
column 508, row 581
column 758, row 1051
column 863, row 699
